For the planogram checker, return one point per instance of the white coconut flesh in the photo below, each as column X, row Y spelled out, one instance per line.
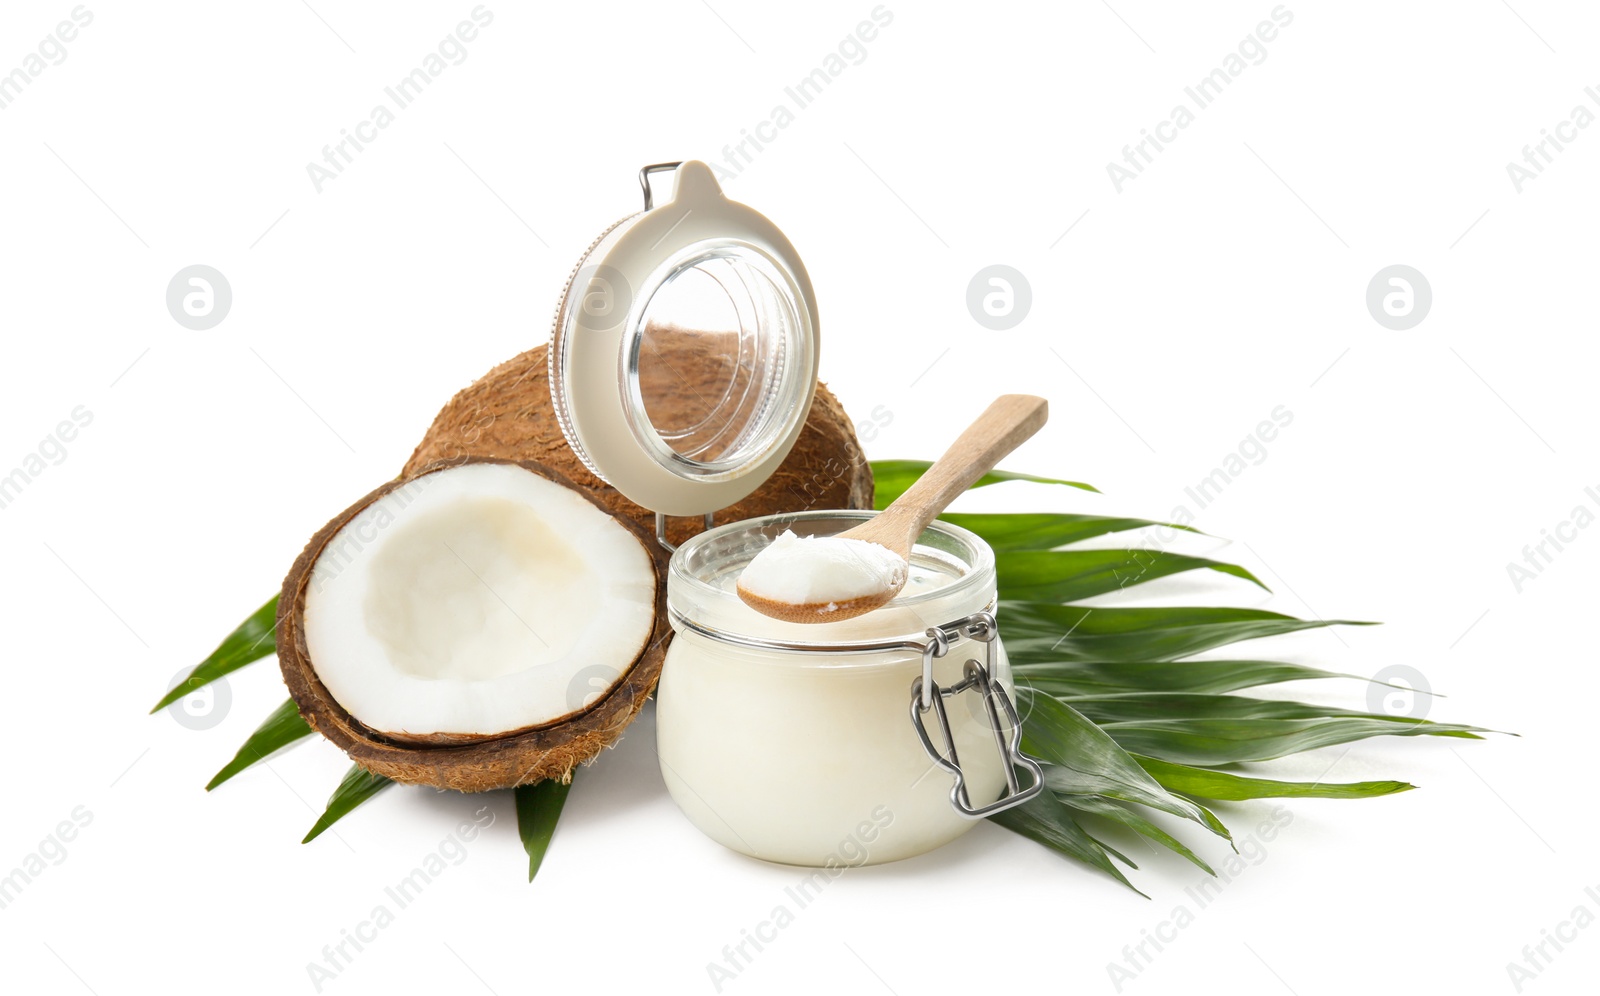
column 477, row 600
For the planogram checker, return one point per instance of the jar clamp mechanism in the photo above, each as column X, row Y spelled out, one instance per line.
column 927, row 696
column 661, row 531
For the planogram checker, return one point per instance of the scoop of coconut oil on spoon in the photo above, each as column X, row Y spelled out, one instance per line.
column 822, row 579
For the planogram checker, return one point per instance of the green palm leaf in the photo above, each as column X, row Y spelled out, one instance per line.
column 1074, row 678
column 358, row 786
column 1130, row 817
column 1039, row 630
column 254, row 639
column 1139, row 707
column 1206, row 742
column 1045, row 531
column 1069, row 575
column 1228, row 787
column 891, row 478
column 538, row 809
column 1046, row 820
column 284, row 727
column 1084, row 761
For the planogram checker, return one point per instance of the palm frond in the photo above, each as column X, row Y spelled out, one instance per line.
column 1113, row 701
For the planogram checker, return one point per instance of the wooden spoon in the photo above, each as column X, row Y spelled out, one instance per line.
column 1003, row 426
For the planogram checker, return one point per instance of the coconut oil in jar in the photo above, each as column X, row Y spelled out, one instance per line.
column 795, row 742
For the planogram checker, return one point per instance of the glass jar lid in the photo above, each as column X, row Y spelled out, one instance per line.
column 684, row 354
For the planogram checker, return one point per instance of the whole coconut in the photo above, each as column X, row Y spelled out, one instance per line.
column 508, row 415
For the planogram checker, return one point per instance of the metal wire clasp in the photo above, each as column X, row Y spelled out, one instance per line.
column 926, row 694
column 661, row 531
column 644, row 179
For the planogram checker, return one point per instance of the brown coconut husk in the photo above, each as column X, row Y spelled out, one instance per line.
column 508, row 414
column 466, row 764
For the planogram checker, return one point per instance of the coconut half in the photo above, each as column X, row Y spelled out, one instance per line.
column 478, row 625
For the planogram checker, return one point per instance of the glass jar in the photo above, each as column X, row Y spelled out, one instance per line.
column 683, row 362
column 805, row 743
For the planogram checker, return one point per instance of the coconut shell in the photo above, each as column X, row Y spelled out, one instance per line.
column 508, row 414
column 522, row 757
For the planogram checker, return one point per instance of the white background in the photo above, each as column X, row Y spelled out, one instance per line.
column 1227, row 280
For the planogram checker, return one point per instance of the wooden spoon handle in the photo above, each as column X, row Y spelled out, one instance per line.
column 1003, row 426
